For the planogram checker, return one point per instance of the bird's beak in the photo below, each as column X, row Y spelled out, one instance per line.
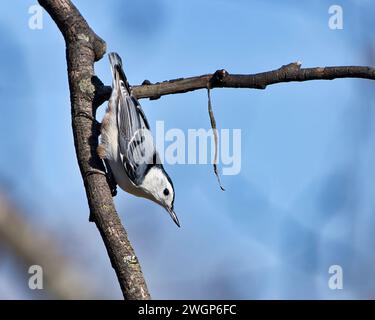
column 173, row 216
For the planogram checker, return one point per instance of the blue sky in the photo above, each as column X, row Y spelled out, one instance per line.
column 304, row 198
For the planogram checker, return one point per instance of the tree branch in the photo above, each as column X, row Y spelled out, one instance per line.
column 83, row 48
column 222, row 79
column 33, row 245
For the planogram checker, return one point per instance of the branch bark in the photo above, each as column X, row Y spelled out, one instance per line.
column 83, row 48
column 222, row 79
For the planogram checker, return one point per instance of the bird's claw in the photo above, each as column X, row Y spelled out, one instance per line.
column 96, row 123
column 111, row 179
column 109, row 176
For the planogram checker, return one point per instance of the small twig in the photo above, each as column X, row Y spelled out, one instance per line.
column 214, row 130
column 217, row 77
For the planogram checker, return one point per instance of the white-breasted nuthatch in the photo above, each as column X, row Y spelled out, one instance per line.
column 127, row 146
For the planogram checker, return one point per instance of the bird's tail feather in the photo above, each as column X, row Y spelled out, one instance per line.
column 118, row 75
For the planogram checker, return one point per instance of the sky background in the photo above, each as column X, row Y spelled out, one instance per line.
column 304, row 198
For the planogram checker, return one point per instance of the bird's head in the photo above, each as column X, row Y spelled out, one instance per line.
column 159, row 188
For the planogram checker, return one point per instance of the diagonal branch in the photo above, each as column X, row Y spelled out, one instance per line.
column 222, row 79
column 83, row 48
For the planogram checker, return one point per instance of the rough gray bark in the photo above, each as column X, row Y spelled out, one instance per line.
column 83, row 48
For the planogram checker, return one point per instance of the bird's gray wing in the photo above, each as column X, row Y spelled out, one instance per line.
column 136, row 145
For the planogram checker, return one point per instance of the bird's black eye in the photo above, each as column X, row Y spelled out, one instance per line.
column 166, row 192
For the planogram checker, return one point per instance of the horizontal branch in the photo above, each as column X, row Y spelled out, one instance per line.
column 222, row 79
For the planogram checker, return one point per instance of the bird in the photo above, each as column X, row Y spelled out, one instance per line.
column 127, row 146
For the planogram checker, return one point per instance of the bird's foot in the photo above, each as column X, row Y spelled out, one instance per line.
column 96, row 123
column 111, row 179
column 109, row 176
